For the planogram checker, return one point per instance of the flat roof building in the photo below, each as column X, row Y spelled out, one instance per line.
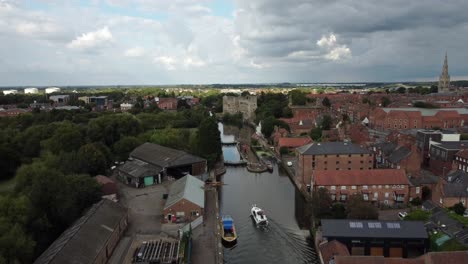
column 378, row 238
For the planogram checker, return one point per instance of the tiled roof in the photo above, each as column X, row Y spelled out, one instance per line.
column 463, row 153
column 330, row 148
column 331, row 249
column 293, row 142
column 360, row 177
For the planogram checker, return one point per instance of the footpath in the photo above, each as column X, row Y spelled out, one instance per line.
column 207, row 247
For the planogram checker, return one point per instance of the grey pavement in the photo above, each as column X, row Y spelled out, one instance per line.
column 205, row 237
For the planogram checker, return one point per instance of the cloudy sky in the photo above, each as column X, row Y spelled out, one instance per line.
column 79, row 42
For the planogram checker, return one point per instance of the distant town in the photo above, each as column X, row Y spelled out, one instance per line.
column 328, row 173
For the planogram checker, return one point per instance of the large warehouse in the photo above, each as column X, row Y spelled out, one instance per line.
column 150, row 163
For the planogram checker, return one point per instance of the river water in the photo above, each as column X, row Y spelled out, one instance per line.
column 282, row 241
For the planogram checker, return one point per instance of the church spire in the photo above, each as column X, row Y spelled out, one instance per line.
column 444, row 79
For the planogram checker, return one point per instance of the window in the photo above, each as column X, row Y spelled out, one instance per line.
column 343, row 197
column 343, row 187
column 333, row 196
column 325, row 162
column 362, row 161
column 376, row 195
column 364, row 187
column 353, row 187
column 349, row 155
column 326, row 155
column 380, row 186
column 386, row 186
column 333, row 187
column 313, row 164
column 417, row 190
column 374, row 186
column 362, row 155
column 365, row 196
column 321, row 187
column 337, row 155
column 338, row 162
column 386, row 195
column 194, row 213
column 349, row 162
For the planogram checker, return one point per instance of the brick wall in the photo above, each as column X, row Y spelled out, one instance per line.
column 183, row 206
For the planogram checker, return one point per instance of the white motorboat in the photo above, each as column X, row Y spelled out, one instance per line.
column 258, row 215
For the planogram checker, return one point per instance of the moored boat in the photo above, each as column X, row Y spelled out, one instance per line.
column 258, row 215
column 228, row 233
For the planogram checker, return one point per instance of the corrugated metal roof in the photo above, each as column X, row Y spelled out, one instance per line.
column 189, row 188
column 81, row 242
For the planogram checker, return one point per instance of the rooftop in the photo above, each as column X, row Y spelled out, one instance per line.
column 330, row 148
column 360, row 177
column 427, row 111
column 332, row 228
column 81, row 242
column 139, row 169
column 163, row 156
column 452, row 145
column 189, row 188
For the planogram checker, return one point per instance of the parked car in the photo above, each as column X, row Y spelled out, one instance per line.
column 289, row 163
column 402, row 215
column 465, row 214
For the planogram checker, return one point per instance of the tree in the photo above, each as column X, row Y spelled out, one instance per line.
column 268, row 125
column 124, row 146
column 209, row 140
column 326, row 122
column 91, row 160
column 326, row 102
column 458, row 208
column 297, row 97
column 321, row 203
column 434, row 89
column 357, row 208
column 401, row 90
column 9, row 162
column 416, row 201
column 316, row 133
column 338, row 211
column 385, row 101
column 67, row 137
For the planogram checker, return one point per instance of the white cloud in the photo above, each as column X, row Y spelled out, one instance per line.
column 134, row 52
column 335, row 52
column 91, row 39
column 338, row 53
column 327, row 42
column 168, row 62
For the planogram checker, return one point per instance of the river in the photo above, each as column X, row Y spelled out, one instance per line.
column 283, row 241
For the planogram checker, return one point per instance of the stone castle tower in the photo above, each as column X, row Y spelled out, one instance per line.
column 444, row 79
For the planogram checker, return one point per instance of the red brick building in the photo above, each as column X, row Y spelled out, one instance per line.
column 186, row 200
column 408, row 118
column 331, row 156
column 381, row 186
column 167, row 103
